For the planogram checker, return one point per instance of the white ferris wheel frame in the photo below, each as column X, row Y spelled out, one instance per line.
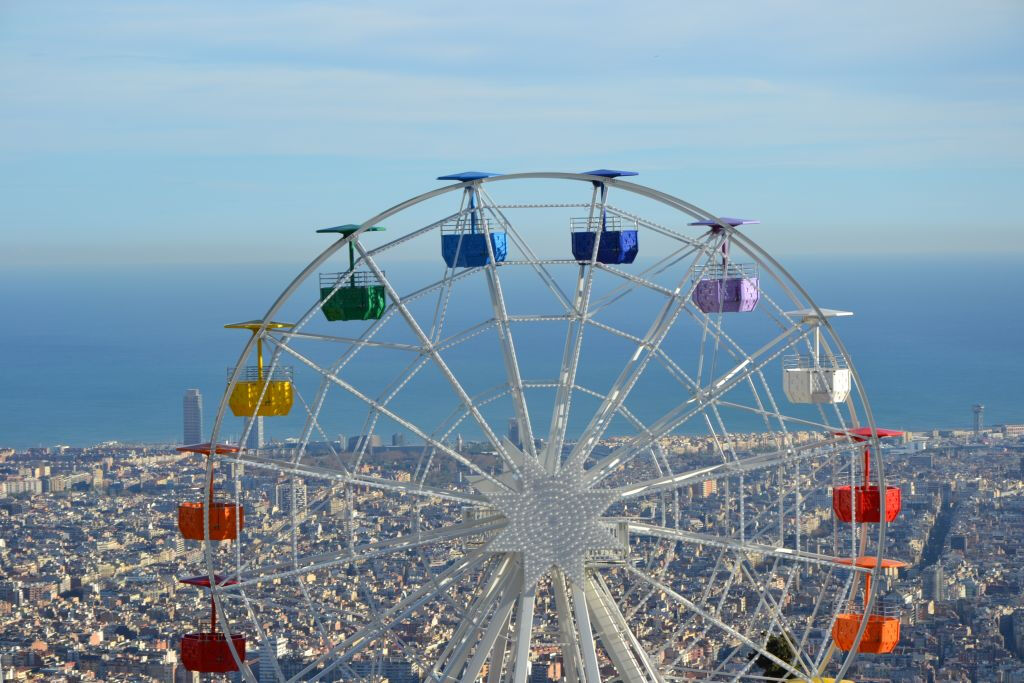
column 498, row 597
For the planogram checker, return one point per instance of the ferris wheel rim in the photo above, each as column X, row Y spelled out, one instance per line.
column 673, row 202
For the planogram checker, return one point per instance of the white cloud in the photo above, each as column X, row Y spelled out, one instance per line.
column 298, row 109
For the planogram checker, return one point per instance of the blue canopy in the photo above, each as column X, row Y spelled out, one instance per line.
column 609, row 173
column 467, row 176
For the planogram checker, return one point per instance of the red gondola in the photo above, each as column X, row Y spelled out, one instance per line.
column 210, row 652
column 864, row 503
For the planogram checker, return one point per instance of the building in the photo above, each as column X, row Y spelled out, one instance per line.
column 513, row 432
column 291, row 495
column 1013, row 430
column 934, row 586
column 271, row 651
column 393, row 669
column 192, row 411
column 979, row 418
column 255, row 439
column 355, row 443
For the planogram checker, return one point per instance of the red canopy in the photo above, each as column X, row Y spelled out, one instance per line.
column 204, row 581
column 864, row 433
column 204, row 448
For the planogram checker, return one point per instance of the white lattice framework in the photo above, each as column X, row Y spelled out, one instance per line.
column 598, row 535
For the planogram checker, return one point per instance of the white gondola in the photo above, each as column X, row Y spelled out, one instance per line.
column 816, row 377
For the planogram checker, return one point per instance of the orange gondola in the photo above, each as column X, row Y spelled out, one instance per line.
column 882, row 633
column 225, row 518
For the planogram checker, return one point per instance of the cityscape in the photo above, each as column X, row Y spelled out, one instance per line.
column 99, row 591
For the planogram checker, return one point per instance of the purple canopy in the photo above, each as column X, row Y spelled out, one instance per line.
column 726, row 220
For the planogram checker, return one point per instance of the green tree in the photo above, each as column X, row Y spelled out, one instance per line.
column 778, row 646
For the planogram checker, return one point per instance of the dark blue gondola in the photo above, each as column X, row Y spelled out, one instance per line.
column 464, row 243
column 616, row 244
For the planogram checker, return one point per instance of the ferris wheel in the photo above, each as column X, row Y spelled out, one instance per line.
column 633, row 449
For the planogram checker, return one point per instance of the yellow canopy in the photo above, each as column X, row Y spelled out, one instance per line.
column 254, row 325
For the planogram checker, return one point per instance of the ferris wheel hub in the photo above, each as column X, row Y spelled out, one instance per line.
column 553, row 520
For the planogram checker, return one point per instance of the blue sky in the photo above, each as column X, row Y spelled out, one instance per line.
column 155, row 132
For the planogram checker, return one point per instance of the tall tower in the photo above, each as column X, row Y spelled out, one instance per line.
column 291, row 497
column 271, row 651
column 979, row 418
column 255, row 438
column 513, row 432
column 192, row 411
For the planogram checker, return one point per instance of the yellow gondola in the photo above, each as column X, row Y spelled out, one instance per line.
column 274, row 386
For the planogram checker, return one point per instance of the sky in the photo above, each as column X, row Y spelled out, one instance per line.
column 206, row 133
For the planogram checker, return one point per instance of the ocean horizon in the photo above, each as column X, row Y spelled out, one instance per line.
column 105, row 353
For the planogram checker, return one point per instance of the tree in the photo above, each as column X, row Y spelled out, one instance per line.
column 778, row 646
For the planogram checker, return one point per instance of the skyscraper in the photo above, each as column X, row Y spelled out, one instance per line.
column 513, row 432
column 192, row 411
column 271, row 650
column 255, row 438
column 979, row 418
column 934, row 585
column 291, row 495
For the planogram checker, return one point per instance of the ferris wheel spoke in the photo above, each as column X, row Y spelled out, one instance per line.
column 708, row 593
column 430, row 350
column 355, row 341
column 710, row 618
column 689, row 673
column 633, row 281
column 567, row 371
column 737, row 545
column 572, row 657
column 776, row 415
column 657, row 227
column 393, row 416
column 344, row 650
column 785, row 628
column 491, row 645
column 633, row 369
column 364, row 552
column 520, row 664
column 571, row 351
column 622, row 410
column 695, row 404
column 631, row 661
column 456, row 651
column 292, row 468
column 508, row 349
column 465, row 335
column 524, row 247
column 591, row 670
column 730, row 468
column 760, row 529
column 763, row 604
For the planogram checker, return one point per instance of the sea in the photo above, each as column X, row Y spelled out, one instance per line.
column 94, row 354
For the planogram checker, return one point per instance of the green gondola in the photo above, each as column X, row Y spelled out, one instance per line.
column 353, row 294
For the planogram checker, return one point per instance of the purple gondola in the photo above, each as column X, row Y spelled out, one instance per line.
column 727, row 287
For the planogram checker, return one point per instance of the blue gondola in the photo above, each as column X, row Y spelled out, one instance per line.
column 464, row 242
column 617, row 245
